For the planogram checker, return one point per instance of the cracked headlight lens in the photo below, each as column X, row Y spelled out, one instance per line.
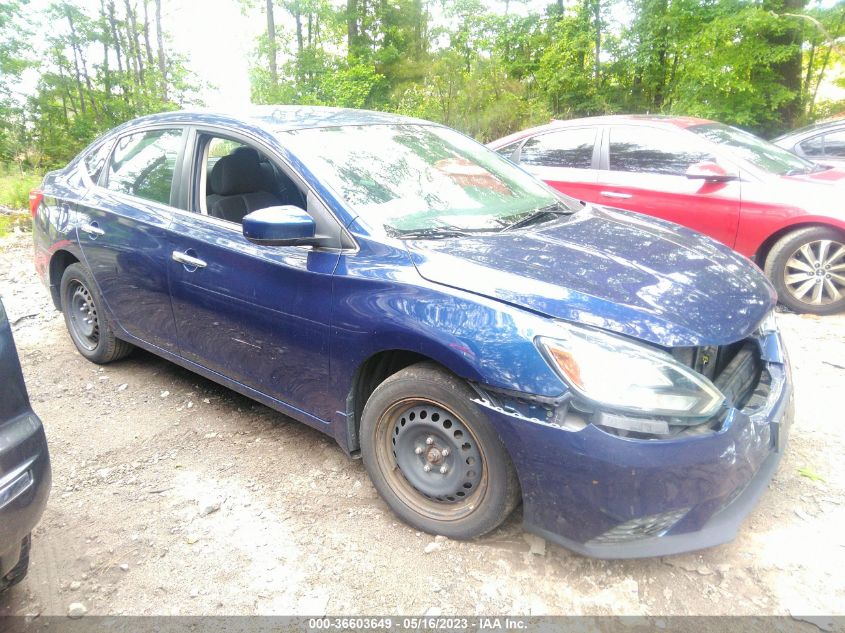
column 617, row 373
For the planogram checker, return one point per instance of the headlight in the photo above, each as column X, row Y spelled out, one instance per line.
column 617, row 373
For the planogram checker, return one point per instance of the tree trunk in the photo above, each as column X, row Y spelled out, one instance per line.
column 789, row 70
column 162, row 64
column 297, row 15
column 351, row 28
column 106, row 37
column 117, row 48
column 147, row 47
column 77, row 73
column 132, row 30
column 825, row 61
column 805, row 87
column 597, row 20
column 272, row 50
column 115, row 38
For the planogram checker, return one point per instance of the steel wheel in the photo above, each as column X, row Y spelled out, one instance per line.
column 87, row 322
column 83, row 321
column 815, row 272
column 431, row 459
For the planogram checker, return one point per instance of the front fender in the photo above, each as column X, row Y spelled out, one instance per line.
column 382, row 307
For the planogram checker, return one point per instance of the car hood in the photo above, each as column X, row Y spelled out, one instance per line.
column 645, row 278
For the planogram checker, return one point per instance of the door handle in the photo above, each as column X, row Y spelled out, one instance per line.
column 189, row 262
column 92, row 229
column 616, row 194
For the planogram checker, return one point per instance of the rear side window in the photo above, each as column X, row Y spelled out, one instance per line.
column 143, row 164
column 653, row 151
column 832, row 145
column 567, row 148
column 96, row 159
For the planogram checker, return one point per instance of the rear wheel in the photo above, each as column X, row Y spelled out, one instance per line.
column 86, row 321
column 807, row 268
column 433, row 456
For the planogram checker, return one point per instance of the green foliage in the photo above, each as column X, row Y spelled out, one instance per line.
column 98, row 68
column 15, row 187
column 751, row 63
column 481, row 66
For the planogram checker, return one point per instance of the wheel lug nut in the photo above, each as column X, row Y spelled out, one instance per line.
column 429, row 441
column 443, row 470
column 427, row 467
column 418, row 450
column 445, row 452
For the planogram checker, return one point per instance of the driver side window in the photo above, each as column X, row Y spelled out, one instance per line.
column 653, row 151
column 237, row 179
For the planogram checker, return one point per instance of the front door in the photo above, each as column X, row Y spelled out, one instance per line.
column 259, row 315
column 646, row 173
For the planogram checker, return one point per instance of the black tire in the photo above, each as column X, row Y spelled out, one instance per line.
column 796, row 267
column 420, row 403
column 19, row 571
column 87, row 323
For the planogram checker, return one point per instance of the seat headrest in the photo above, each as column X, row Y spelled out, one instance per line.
column 246, row 149
column 235, row 174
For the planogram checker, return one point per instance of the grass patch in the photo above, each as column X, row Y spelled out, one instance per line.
column 15, row 187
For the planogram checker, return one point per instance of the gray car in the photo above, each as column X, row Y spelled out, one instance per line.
column 821, row 142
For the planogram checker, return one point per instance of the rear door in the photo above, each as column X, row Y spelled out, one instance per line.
column 123, row 228
column 645, row 171
column 566, row 159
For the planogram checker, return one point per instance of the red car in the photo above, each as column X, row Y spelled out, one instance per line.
column 782, row 211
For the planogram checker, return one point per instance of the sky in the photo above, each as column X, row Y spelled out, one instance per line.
column 218, row 40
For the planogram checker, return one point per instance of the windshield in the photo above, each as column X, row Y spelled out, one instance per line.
column 412, row 178
column 755, row 150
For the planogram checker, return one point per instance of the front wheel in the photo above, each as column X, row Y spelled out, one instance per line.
column 807, row 268
column 86, row 321
column 433, row 457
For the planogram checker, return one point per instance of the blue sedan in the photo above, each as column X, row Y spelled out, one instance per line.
column 478, row 339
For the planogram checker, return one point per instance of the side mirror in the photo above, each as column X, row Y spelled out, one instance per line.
column 281, row 226
column 711, row 172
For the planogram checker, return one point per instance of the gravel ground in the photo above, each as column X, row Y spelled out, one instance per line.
column 173, row 495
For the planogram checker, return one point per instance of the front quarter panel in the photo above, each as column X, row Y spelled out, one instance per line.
column 382, row 303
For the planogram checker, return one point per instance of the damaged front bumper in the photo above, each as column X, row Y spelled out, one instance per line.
column 608, row 496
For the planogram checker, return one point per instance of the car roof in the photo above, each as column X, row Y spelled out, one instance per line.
column 280, row 118
column 807, row 130
column 658, row 120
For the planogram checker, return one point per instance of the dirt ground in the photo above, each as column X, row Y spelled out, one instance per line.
column 173, row 495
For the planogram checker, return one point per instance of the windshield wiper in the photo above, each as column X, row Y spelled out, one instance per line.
column 428, row 233
column 532, row 218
